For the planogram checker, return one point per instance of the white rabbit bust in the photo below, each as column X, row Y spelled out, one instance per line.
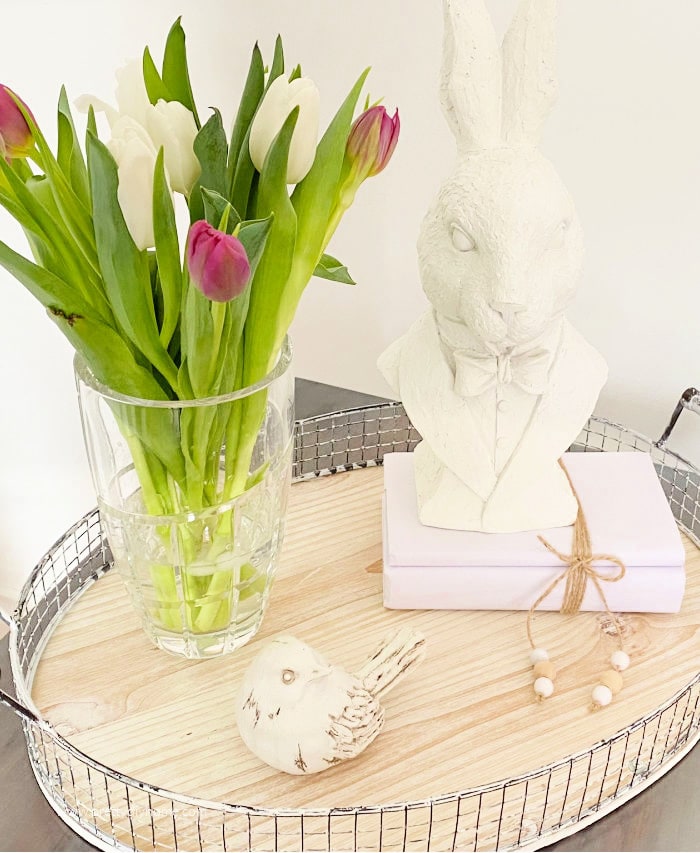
column 493, row 376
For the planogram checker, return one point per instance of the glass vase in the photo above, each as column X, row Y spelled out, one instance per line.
column 192, row 496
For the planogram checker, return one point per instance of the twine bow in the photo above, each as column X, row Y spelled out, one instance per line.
column 579, row 570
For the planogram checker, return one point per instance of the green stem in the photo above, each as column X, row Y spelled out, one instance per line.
column 219, row 311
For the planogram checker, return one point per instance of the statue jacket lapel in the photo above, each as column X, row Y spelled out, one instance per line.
column 444, row 420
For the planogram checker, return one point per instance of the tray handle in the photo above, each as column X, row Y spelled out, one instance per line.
column 5, row 698
column 690, row 399
column 19, row 709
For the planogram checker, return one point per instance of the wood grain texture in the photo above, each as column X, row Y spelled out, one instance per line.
column 466, row 717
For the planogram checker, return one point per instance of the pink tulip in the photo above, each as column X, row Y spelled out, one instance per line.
column 372, row 140
column 217, row 262
column 15, row 137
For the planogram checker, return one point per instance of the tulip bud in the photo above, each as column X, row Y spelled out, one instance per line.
column 217, row 262
column 15, row 137
column 279, row 101
column 172, row 127
column 372, row 140
column 135, row 154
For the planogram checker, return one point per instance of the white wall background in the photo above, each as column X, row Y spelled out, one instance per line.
column 625, row 137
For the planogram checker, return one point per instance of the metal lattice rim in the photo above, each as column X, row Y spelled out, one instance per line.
column 637, row 783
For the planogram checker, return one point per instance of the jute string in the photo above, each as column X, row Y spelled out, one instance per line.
column 579, row 570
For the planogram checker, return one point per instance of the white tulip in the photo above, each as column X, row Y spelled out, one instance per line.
column 279, row 101
column 131, row 94
column 169, row 124
column 133, row 149
column 172, row 127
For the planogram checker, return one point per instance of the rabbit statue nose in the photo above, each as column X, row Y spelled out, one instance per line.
column 508, row 310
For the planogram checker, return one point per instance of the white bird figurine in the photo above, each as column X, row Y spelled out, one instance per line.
column 300, row 714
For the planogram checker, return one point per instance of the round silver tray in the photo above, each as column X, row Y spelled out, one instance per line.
column 73, row 782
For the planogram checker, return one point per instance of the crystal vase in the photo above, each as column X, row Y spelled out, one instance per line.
column 192, row 496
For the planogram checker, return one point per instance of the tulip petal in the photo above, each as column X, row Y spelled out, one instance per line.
column 16, row 136
column 172, row 127
column 217, row 262
column 280, row 99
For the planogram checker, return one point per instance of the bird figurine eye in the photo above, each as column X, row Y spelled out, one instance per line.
column 288, row 676
column 461, row 240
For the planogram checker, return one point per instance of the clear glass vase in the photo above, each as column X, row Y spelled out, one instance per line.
column 192, row 496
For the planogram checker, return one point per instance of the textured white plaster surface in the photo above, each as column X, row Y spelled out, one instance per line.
column 497, row 382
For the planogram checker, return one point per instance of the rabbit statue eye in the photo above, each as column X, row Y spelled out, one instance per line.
column 559, row 234
column 461, row 240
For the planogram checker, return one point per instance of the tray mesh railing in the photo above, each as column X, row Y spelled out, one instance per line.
column 116, row 811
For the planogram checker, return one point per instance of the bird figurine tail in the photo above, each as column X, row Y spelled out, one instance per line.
column 391, row 661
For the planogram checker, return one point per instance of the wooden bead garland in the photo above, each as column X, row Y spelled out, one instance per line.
column 579, row 571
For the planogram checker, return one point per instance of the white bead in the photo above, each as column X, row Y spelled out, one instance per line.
column 601, row 696
column 544, row 687
column 620, row 661
column 537, row 655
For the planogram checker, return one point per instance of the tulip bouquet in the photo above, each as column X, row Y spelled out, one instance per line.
column 158, row 317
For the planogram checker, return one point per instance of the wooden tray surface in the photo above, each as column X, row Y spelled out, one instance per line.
column 465, row 718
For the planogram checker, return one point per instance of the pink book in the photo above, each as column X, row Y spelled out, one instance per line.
column 426, row 568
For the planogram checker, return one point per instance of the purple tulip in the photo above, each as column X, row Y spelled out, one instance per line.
column 217, row 262
column 372, row 140
column 15, row 137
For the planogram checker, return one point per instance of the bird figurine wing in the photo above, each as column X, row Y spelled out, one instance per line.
column 391, row 660
column 357, row 725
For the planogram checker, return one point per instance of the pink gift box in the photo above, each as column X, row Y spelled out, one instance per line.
column 426, row 568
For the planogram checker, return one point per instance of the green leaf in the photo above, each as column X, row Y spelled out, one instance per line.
column 215, row 206
column 273, row 270
column 296, row 74
column 124, row 268
column 113, row 364
column 277, row 68
column 41, row 216
column 253, row 235
column 250, row 100
column 91, row 123
column 76, row 215
column 314, row 200
column 243, row 180
column 211, row 148
column 333, row 270
column 110, row 358
column 197, row 329
column 155, row 87
column 175, row 73
column 70, row 157
column 315, row 196
column 167, row 252
column 53, row 292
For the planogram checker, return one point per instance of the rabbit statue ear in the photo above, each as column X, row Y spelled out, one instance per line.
column 470, row 89
column 529, row 71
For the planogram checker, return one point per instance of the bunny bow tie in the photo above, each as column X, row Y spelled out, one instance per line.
column 476, row 374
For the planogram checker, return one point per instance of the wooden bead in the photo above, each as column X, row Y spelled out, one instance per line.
column 620, row 661
column 601, row 696
column 613, row 680
column 544, row 669
column 544, row 687
column 537, row 655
